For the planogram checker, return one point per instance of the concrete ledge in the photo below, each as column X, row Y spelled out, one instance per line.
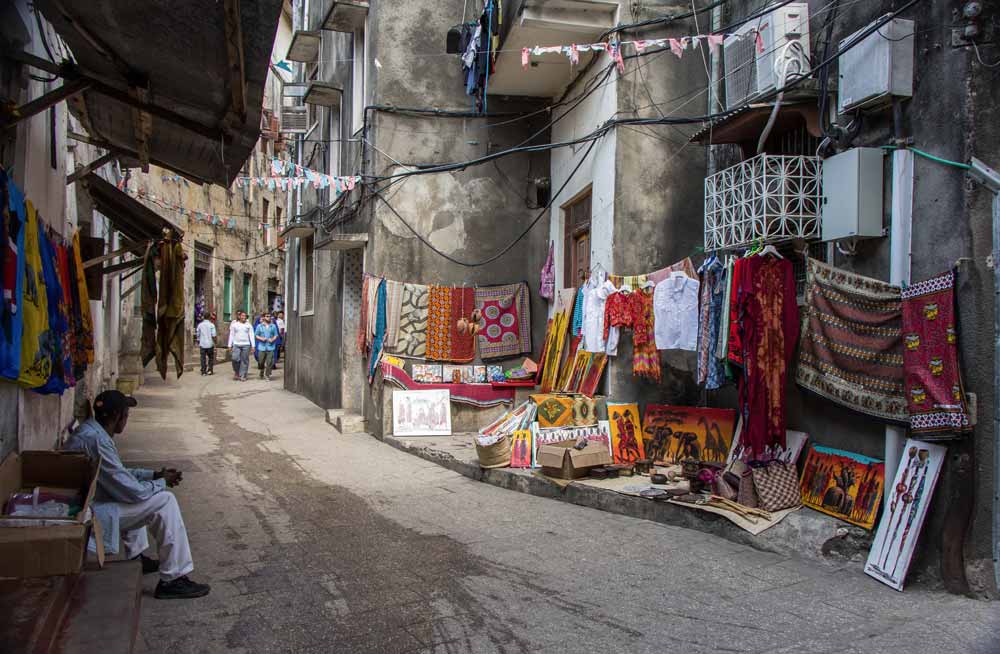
column 804, row 533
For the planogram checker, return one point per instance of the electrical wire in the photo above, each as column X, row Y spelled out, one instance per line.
column 661, row 20
column 931, row 157
column 975, row 48
column 510, row 246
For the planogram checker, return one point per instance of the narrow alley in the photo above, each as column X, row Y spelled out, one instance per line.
column 313, row 541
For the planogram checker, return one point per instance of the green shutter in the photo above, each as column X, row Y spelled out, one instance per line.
column 246, row 293
column 227, row 297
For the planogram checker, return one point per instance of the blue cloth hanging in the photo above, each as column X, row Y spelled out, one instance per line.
column 12, row 241
column 379, row 338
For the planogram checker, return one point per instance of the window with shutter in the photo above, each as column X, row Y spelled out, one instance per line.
column 576, row 219
column 307, row 274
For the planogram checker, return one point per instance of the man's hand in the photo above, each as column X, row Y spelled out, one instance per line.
column 171, row 475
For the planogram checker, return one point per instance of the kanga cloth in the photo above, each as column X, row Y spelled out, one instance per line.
column 170, row 308
column 933, row 380
column 58, row 324
column 479, row 395
column 69, row 337
column 411, row 337
column 554, row 410
column 12, row 212
column 147, row 298
column 379, row 333
column 36, row 364
column 446, row 305
column 506, row 320
column 851, row 348
column 393, row 307
column 83, row 325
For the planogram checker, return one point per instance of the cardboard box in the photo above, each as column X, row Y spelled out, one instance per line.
column 566, row 462
column 58, row 546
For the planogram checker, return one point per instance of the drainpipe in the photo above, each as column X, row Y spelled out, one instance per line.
column 714, row 82
column 990, row 179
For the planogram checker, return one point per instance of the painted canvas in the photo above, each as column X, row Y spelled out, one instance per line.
column 909, row 499
column 521, row 449
column 494, row 373
column 598, row 433
column 674, row 433
column 626, row 433
column 427, row 373
column 421, row 413
column 843, row 484
column 478, row 374
column 795, row 442
column 592, row 374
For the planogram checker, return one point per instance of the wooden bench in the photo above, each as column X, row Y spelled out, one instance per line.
column 96, row 611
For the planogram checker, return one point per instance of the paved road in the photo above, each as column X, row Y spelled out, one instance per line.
column 317, row 542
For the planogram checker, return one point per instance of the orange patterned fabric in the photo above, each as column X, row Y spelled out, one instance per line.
column 445, row 307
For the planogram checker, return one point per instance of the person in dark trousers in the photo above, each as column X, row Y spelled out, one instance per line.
column 279, row 322
column 266, row 335
column 131, row 502
column 206, row 343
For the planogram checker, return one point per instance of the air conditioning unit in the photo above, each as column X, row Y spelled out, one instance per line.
column 294, row 120
column 750, row 73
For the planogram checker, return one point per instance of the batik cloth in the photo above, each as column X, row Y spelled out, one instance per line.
column 553, row 410
column 684, row 265
column 69, row 337
column 83, row 325
column 645, row 356
column 411, row 337
column 576, row 328
column 58, row 325
column 445, row 307
column 933, row 381
column 555, row 341
column 852, row 351
column 767, row 321
column 505, row 326
column 711, row 372
column 371, row 304
column 36, row 361
column 12, row 212
column 393, row 307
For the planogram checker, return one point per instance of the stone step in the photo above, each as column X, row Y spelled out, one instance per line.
column 345, row 421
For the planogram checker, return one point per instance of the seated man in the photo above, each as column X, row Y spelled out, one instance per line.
column 130, row 500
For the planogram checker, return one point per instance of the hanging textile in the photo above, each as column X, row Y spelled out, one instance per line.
column 645, row 356
column 170, row 308
column 69, row 340
column 576, row 328
column 411, row 338
column 767, row 326
column 362, row 338
column 12, row 212
column 555, row 341
column 379, row 329
column 852, row 351
column 371, row 303
column 711, row 373
column 148, row 301
column 675, row 303
column 36, row 363
column 478, row 395
column 446, row 340
column 393, row 307
column 933, row 381
column 83, row 325
column 547, row 287
column 58, row 326
column 722, row 349
column 505, row 320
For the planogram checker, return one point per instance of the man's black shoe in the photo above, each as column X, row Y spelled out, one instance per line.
column 149, row 566
column 180, row 588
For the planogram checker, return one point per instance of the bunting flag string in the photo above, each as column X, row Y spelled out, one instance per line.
column 198, row 216
column 317, row 180
column 614, row 48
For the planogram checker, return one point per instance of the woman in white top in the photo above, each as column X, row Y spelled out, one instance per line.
column 241, row 345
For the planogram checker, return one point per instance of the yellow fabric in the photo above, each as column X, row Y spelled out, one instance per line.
column 81, row 285
column 36, row 364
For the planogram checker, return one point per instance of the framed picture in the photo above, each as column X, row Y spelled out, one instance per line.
column 421, row 413
column 427, row 373
column 626, row 433
column 456, row 374
column 674, row 433
column 899, row 529
column 521, row 448
column 479, row 375
column 494, row 373
column 843, row 484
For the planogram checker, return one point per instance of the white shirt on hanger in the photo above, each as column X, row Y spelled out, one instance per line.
column 595, row 295
column 675, row 313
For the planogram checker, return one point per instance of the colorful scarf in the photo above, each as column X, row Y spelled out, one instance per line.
column 851, row 346
column 934, row 391
column 36, row 360
column 506, row 320
column 83, row 325
column 69, row 336
column 12, row 212
column 445, row 307
column 58, row 325
column 379, row 330
column 393, row 308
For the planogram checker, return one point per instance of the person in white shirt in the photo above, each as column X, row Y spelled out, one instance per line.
column 206, row 343
column 279, row 320
column 241, row 345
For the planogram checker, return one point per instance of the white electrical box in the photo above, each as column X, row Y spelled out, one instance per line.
column 878, row 68
column 852, row 194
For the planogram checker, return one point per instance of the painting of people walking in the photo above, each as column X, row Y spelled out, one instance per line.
column 626, row 433
column 843, row 484
column 674, row 433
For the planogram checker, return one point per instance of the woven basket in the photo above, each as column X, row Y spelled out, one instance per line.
column 496, row 455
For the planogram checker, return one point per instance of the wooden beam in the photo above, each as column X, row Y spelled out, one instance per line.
column 132, row 154
column 125, row 265
column 142, row 123
column 92, row 166
column 50, row 99
column 35, row 62
column 132, row 247
column 237, row 67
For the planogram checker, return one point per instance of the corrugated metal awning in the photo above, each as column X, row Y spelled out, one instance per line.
column 180, row 84
column 129, row 216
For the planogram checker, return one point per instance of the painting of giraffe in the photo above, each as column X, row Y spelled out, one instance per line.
column 673, row 433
